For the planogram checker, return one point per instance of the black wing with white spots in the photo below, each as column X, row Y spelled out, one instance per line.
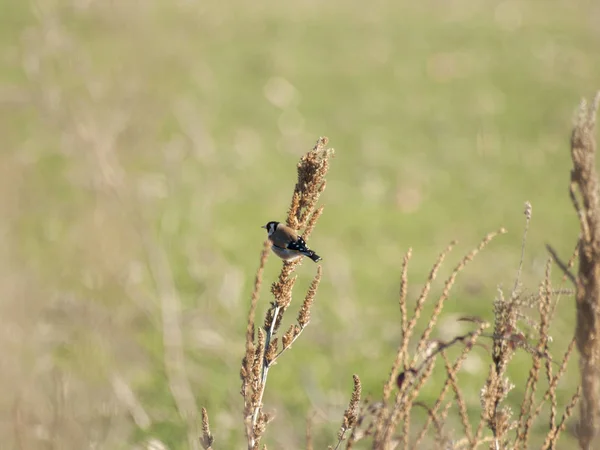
column 300, row 246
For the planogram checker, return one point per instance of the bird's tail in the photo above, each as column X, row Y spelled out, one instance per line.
column 312, row 255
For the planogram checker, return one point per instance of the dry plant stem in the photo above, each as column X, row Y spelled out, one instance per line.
column 249, row 382
column 260, row 356
column 303, row 316
column 264, row 373
column 564, row 267
column 566, row 273
column 584, row 179
column 403, row 406
column 404, row 290
column 528, row 210
column 554, row 434
column 385, row 421
column 506, row 339
column 541, row 349
column 207, row 438
column 413, row 381
column 351, row 413
column 462, row 406
column 312, row 222
column 309, row 433
column 470, row 342
column 271, row 324
column 464, row 443
column 554, row 382
column 402, row 354
column 389, row 385
column 256, row 294
column 438, row 425
column 553, row 400
column 447, row 288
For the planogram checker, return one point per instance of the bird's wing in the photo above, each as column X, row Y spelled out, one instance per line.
column 298, row 245
column 283, row 236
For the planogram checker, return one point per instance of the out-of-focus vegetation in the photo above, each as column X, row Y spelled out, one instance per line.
column 144, row 144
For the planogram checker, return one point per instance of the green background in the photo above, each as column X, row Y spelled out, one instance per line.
column 145, row 142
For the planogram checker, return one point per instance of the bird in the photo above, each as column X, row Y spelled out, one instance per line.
column 286, row 243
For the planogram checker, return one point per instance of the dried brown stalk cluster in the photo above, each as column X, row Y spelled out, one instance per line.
column 264, row 348
column 387, row 423
column 522, row 323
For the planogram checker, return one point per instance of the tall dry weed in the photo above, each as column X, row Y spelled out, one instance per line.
column 585, row 198
column 265, row 346
column 386, row 424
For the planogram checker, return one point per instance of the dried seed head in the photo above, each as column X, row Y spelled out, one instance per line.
column 207, row 438
column 304, row 314
column 528, row 210
column 271, row 351
column 351, row 414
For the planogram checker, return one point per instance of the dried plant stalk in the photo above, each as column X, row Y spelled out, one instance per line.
column 263, row 351
column 388, row 425
column 448, row 287
column 462, row 406
column 351, row 414
column 403, row 312
column 414, row 376
column 207, row 438
column 584, row 180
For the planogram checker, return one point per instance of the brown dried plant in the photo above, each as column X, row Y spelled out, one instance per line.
column 584, row 195
column 264, row 348
column 387, row 423
column 381, row 421
column 350, row 418
column 583, row 190
column 207, row 438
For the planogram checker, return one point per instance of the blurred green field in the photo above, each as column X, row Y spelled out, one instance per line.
column 145, row 143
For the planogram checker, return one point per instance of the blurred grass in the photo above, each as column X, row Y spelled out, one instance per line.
column 185, row 120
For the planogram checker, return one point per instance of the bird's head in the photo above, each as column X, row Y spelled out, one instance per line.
column 270, row 227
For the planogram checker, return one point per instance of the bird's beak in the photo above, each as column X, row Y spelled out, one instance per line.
column 264, row 226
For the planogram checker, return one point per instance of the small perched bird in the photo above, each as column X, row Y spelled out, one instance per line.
column 287, row 244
